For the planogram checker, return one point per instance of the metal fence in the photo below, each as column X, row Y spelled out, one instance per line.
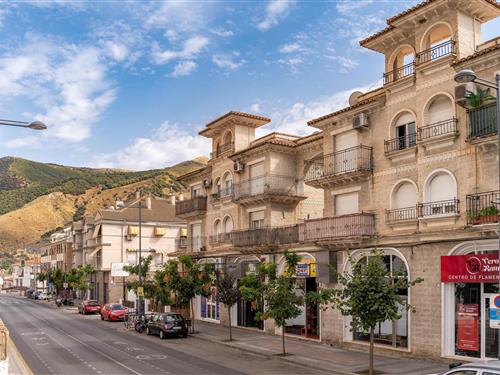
column 266, row 236
column 352, row 225
column 267, row 184
column 354, row 159
column 438, row 129
column 399, row 73
column 222, row 149
column 400, row 143
column 191, row 205
column 449, row 206
column 436, row 52
column 482, row 121
column 482, row 208
column 401, row 214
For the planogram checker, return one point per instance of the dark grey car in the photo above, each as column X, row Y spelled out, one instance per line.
column 167, row 324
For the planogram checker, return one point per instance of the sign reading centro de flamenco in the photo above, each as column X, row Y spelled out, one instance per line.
column 471, row 268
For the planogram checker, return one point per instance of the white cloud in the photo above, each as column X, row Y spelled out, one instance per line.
column 20, row 142
column 346, row 64
column 222, row 32
column 255, row 108
column 290, row 47
column 276, row 10
column 168, row 145
column 293, row 63
column 227, row 60
column 294, row 118
column 191, row 48
column 117, row 51
column 184, row 68
column 68, row 84
column 181, row 16
column 347, row 7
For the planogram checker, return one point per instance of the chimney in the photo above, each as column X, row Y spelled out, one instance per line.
column 148, row 202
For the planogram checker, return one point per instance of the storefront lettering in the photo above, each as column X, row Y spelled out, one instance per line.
column 471, row 268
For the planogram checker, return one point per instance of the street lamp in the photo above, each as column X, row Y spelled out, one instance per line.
column 35, row 125
column 466, row 76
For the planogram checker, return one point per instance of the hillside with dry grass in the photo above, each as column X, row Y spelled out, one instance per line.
column 50, row 211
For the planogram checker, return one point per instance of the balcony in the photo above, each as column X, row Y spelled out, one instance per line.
column 439, row 134
column 482, row 121
column 220, row 239
column 268, row 236
column 352, row 227
column 401, row 148
column 222, row 150
column 222, row 193
column 191, row 207
column 439, row 208
column 398, row 74
column 196, row 244
column 274, row 188
column 481, row 208
column 434, row 53
column 181, row 243
column 345, row 166
column 398, row 215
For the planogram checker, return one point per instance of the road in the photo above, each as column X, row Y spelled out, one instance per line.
column 58, row 341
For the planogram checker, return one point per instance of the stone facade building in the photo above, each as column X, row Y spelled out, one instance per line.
column 409, row 168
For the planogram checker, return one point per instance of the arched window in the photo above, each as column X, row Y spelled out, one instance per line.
column 217, row 188
column 228, row 226
column 228, row 138
column 436, row 43
column 217, row 228
column 392, row 333
column 404, row 200
column 405, row 131
column 402, row 63
column 439, row 117
column 440, row 193
column 227, row 184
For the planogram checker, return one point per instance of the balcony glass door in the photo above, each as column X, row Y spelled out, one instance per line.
column 257, row 178
column 345, row 158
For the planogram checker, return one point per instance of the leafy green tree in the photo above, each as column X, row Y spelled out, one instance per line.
column 57, row 278
column 147, row 284
column 479, row 98
column 277, row 293
column 370, row 295
column 77, row 278
column 186, row 280
column 228, row 293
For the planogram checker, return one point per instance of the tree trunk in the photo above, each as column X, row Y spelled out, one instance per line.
column 230, row 328
column 192, row 315
column 371, row 352
column 283, row 339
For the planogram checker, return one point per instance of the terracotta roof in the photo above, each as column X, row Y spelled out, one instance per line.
column 343, row 110
column 477, row 54
column 161, row 211
column 376, row 35
column 243, row 114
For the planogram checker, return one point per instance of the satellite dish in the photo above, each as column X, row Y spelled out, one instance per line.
column 353, row 98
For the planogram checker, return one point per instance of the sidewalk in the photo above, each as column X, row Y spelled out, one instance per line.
column 315, row 355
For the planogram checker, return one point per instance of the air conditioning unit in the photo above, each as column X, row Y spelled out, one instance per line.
column 360, row 121
column 239, row 166
column 460, row 93
column 207, row 183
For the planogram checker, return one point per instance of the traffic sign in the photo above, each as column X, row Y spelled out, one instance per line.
column 494, row 318
column 496, row 301
column 140, row 291
column 65, row 285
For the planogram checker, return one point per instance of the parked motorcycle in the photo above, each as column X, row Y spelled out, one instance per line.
column 59, row 302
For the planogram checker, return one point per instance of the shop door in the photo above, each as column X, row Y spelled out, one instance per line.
column 489, row 346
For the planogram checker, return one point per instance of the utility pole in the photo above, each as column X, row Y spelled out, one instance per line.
column 140, row 289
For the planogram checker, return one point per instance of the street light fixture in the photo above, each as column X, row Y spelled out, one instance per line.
column 35, row 125
column 466, row 76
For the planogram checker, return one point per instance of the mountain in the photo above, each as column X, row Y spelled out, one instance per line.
column 36, row 198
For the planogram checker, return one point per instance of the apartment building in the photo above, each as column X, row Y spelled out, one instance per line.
column 409, row 168
column 111, row 240
column 59, row 251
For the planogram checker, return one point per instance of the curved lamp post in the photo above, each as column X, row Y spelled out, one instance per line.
column 466, row 76
column 35, row 125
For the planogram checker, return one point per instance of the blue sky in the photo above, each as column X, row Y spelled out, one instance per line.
column 129, row 84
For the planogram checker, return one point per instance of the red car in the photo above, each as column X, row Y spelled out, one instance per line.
column 89, row 307
column 113, row 312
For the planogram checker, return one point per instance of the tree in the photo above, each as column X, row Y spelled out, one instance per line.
column 147, row 284
column 77, row 278
column 228, row 293
column 57, row 278
column 275, row 293
column 194, row 280
column 477, row 99
column 370, row 295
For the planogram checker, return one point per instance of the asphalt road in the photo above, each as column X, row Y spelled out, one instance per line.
column 57, row 341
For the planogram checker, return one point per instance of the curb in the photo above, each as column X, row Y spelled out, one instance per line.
column 268, row 356
column 21, row 362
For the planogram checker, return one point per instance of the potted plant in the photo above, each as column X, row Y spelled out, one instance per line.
column 488, row 215
column 479, row 98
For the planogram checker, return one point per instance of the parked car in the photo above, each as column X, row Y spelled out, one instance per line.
column 477, row 368
column 167, row 324
column 113, row 311
column 89, row 307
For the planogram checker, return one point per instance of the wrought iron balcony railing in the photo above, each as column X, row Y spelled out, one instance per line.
column 220, row 238
column 197, row 204
column 401, row 214
column 352, row 225
column 436, row 52
column 196, row 244
column 266, row 236
column 438, row 129
column 181, row 243
column 400, row 143
column 482, row 121
column 445, row 207
column 399, row 73
column 268, row 184
column 482, row 208
column 354, row 159
column 222, row 149
column 223, row 193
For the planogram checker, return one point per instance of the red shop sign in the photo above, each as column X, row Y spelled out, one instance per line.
column 468, row 328
column 471, row 268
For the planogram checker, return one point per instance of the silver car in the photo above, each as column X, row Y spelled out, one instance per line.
column 477, row 368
